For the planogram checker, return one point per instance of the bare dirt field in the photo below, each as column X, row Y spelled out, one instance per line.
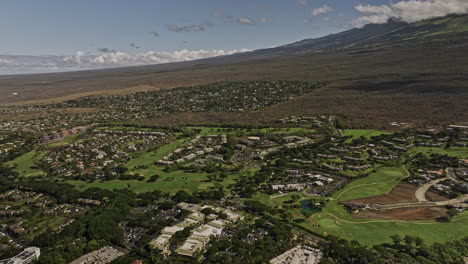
column 434, row 197
column 402, row 193
column 43, row 113
column 414, row 213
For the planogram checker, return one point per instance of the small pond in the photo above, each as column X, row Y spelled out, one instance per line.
column 308, row 206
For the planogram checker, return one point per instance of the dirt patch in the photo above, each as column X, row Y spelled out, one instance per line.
column 434, row 197
column 402, row 193
column 414, row 213
column 44, row 113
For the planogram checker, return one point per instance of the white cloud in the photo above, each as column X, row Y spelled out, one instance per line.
column 189, row 28
column 265, row 20
column 321, row 10
column 383, row 9
column 4, row 62
column 110, row 59
column 409, row 11
column 245, row 21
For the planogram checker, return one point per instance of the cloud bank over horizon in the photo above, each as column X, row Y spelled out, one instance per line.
column 108, row 58
column 408, row 11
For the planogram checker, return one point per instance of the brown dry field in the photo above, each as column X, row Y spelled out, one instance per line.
column 364, row 109
column 415, row 213
column 434, row 197
column 45, row 113
column 402, row 193
column 421, row 85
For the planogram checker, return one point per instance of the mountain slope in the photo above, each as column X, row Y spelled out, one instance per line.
column 394, row 63
column 442, row 30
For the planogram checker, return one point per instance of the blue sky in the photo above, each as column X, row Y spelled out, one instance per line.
column 61, row 27
column 68, row 35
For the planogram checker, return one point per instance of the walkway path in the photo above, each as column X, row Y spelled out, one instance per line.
column 367, row 184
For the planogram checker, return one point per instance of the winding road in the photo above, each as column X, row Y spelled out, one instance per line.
column 421, row 191
column 421, row 197
column 457, row 201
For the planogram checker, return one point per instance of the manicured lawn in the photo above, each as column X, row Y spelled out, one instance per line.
column 65, row 141
column 168, row 182
column 148, row 158
column 372, row 232
column 290, row 131
column 25, row 163
column 335, row 219
column 459, row 152
column 367, row 133
column 379, row 182
column 263, row 198
column 217, row 130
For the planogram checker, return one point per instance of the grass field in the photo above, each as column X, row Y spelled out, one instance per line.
column 367, row 133
column 65, row 141
column 372, row 232
column 379, row 182
column 280, row 200
column 335, row 219
column 144, row 164
column 459, row 152
column 25, row 163
column 289, row 131
column 168, row 182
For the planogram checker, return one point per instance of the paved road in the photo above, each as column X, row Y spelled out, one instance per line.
column 459, row 201
column 421, row 192
column 421, row 197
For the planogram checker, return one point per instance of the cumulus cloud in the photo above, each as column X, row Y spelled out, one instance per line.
column 4, row 62
column 189, row 28
column 265, row 20
column 321, row 10
column 409, row 11
column 245, row 21
column 108, row 58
